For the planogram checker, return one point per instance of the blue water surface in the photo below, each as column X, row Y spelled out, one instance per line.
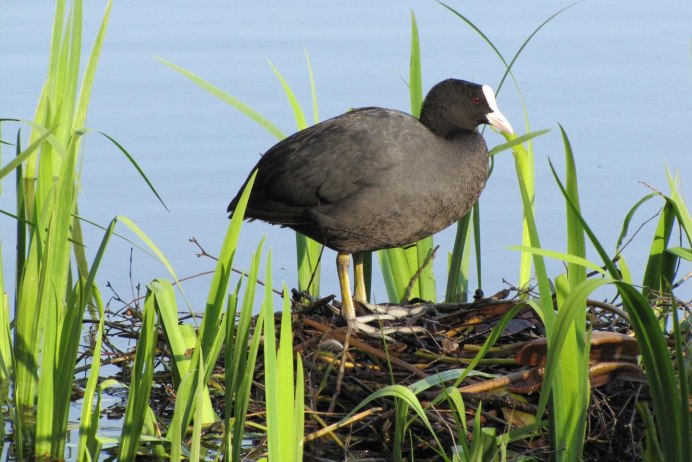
column 616, row 75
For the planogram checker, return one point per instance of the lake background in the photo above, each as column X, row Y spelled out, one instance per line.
column 617, row 75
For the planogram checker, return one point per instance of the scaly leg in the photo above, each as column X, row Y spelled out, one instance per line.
column 348, row 310
column 359, row 276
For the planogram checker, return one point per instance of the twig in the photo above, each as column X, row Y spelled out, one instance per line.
column 204, row 253
column 608, row 307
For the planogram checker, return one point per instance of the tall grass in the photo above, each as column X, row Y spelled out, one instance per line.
column 51, row 294
column 50, row 298
column 55, row 284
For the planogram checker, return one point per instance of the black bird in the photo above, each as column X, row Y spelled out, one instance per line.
column 376, row 178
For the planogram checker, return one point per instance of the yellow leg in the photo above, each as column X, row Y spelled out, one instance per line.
column 359, row 276
column 348, row 311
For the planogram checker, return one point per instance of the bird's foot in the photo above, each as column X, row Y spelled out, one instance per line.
column 382, row 313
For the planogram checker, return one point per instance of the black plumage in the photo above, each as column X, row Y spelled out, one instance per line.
column 376, row 178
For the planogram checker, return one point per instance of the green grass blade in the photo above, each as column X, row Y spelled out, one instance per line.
column 299, row 410
column 529, row 38
column 283, row 388
column 24, row 155
column 154, row 248
column 566, row 257
column 681, row 252
column 239, row 360
column 226, row 97
column 479, row 32
column 69, row 327
column 219, row 286
column 6, row 360
column 396, row 273
column 140, row 385
column 457, row 279
column 415, row 83
column 292, row 100
column 404, row 394
column 313, row 89
column 628, row 219
column 476, row 223
column 286, row 381
column 271, row 398
column 516, row 141
column 669, row 408
column 137, row 167
column 683, row 370
column 181, row 338
column 88, row 423
column 682, row 212
column 90, row 72
column 575, row 233
column 53, row 282
column 167, row 309
column 660, row 267
column 200, row 391
column 563, row 325
column 426, row 279
column 182, row 412
column 607, row 261
column 523, row 166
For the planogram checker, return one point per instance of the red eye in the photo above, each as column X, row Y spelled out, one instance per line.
column 476, row 100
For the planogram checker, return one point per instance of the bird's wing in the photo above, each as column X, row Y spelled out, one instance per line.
column 322, row 165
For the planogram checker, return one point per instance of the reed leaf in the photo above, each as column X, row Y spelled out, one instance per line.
column 137, row 167
column 660, row 266
column 682, row 212
column 141, row 382
column 87, row 449
column 405, row 395
column 239, row 360
column 457, row 274
column 271, row 397
column 209, row 330
column 313, row 89
column 6, row 360
column 517, row 141
column 574, row 381
column 24, row 155
column 670, row 409
column 227, row 98
column 283, row 386
column 566, row 257
column 415, row 81
column 673, row 428
column 628, row 220
column 607, row 261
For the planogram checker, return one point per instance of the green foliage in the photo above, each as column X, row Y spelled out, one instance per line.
column 283, row 392
column 239, row 360
column 141, row 384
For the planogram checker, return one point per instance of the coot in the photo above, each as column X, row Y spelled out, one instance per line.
column 376, row 178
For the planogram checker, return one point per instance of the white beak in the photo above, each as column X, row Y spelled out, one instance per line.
column 496, row 118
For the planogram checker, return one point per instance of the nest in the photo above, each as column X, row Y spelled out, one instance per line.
column 342, row 368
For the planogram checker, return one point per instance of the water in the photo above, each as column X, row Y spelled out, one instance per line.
column 615, row 74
